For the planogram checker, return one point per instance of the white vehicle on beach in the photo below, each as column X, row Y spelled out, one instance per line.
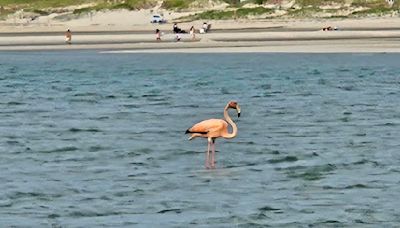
column 157, row 19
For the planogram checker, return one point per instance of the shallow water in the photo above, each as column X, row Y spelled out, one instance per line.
column 90, row 139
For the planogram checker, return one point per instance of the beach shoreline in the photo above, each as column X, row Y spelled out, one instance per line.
column 352, row 35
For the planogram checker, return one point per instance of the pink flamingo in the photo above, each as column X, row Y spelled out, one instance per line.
column 215, row 128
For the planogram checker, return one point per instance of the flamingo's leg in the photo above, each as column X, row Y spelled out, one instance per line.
column 213, row 154
column 207, row 164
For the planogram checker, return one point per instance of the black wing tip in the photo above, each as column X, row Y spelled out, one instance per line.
column 199, row 132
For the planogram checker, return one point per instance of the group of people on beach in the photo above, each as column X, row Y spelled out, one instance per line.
column 330, row 28
column 178, row 31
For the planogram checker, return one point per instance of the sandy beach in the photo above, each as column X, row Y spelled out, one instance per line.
column 136, row 34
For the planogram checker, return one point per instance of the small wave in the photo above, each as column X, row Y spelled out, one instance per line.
column 202, row 83
column 12, row 142
column 81, row 214
column 90, row 101
column 365, row 161
column 80, row 159
column 344, row 70
column 268, row 208
column 304, row 94
column 62, row 149
column 226, row 91
column 390, row 124
column 6, row 204
column 96, row 148
column 322, row 81
column 151, row 95
column 131, row 106
column 100, row 118
column 62, row 89
column 330, row 222
column 356, row 186
column 15, row 103
column 19, row 195
column 314, row 72
column 246, row 143
column 284, row 159
column 344, row 119
column 84, row 130
column 186, row 106
column 176, row 210
column 69, row 70
column 308, row 173
column 359, row 221
column 264, row 86
column 12, row 70
column 53, row 216
column 346, row 88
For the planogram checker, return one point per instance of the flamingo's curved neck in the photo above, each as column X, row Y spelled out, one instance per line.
column 229, row 120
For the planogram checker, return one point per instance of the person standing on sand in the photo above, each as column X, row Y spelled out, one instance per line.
column 192, row 33
column 68, row 36
column 158, row 35
column 205, row 27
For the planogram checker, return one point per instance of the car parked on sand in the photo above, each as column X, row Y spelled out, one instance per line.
column 157, row 19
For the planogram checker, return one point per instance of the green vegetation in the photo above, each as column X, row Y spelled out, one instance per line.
column 318, row 2
column 245, row 12
column 176, row 4
column 374, row 11
column 305, row 8
column 230, row 14
column 369, row 3
column 44, row 7
column 41, row 4
column 127, row 4
column 374, row 7
column 305, row 12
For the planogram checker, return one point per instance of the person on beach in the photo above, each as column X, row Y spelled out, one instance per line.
column 192, row 33
column 204, row 29
column 158, row 35
column 68, row 36
column 178, row 37
column 175, row 28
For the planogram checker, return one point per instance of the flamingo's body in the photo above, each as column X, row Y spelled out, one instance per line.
column 215, row 128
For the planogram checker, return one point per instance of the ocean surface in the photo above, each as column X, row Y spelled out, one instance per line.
column 90, row 139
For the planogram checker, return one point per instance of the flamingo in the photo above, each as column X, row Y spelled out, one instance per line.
column 213, row 129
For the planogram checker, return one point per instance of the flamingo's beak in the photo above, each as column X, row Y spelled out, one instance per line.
column 238, row 110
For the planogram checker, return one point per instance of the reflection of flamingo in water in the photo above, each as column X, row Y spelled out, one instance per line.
column 215, row 128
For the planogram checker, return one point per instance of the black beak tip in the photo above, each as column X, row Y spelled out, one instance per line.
column 238, row 114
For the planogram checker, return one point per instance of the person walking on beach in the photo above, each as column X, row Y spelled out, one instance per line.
column 68, row 36
column 192, row 33
column 158, row 35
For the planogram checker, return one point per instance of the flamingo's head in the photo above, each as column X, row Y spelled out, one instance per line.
column 234, row 105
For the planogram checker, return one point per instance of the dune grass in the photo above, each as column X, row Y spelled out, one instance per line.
column 229, row 14
column 127, row 4
column 176, row 4
column 308, row 7
column 40, row 4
